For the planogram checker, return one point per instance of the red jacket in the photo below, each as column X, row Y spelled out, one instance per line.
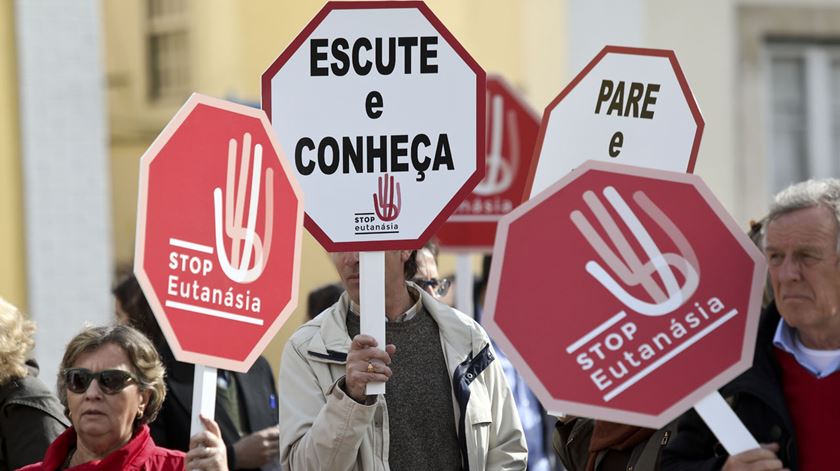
column 139, row 454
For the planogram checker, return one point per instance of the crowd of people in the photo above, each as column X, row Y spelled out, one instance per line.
column 453, row 402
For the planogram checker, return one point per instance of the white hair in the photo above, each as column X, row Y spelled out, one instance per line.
column 807, row 194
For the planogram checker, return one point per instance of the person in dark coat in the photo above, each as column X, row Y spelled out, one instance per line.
column 30, row 415
column 251, row 406
column 246, row 403
column 757, row 400
column 788, row 399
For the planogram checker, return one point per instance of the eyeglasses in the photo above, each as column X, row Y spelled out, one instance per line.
column 110, row 381
column 439, row 287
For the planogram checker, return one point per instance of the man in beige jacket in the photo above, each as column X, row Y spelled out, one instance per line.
column 447, row 405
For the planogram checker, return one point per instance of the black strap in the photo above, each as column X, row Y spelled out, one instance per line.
column 463, row 376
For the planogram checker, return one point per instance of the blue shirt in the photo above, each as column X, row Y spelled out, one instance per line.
column 786, row 338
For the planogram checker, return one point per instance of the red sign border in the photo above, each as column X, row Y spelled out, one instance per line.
column 559, row 407
column 481, row 90
column 638, row 51
column 140, row 236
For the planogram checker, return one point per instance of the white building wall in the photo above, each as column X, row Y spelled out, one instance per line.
column 65, row 178
column 594, row 24
column 703, row 37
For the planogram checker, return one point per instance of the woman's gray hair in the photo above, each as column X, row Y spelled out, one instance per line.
column 806, row 194
column 16, row 341
column 144, row 359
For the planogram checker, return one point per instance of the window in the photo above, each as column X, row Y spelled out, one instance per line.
column 804, row 117
column 168, row 50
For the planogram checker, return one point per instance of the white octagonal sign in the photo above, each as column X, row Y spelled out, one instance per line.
column 382, row 113
column 630, row 106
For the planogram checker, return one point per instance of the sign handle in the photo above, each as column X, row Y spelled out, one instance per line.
column 372, row 303
column 204, row 396
column 726, row 426
column 464, row 284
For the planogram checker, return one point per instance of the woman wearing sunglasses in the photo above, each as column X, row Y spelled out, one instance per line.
column 111, row 386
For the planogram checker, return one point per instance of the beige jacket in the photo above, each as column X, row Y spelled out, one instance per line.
column 324, row 429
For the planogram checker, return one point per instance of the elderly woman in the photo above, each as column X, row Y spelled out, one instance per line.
column 111, row 385
column 246, row 402
column 30, row 416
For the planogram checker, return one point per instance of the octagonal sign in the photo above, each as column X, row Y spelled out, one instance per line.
column 219, row 226
column 381, row 111
column 625, row 294
column 631, row 106
column 512, row 128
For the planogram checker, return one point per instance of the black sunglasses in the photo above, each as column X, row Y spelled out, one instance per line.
column 439, row 286
column 110, row 381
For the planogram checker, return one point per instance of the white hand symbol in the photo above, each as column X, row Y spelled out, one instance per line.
column 628, row 267
column 494, row 183
column 237, row 268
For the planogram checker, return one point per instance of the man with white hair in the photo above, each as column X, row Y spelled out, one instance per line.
column 789, row 398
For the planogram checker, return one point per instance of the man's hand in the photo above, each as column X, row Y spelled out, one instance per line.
column 759, row 459
column 207, row 451
column 258, row 448
column 363, row 352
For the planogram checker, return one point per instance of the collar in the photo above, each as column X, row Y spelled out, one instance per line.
column 460, row 335
column 135, row 451
column 413, row 291
column 815, row 361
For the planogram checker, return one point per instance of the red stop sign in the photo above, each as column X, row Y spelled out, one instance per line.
column 511, row 135
column 218, row 233
column 624, row 294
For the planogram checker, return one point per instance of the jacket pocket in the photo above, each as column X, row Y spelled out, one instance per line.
column 480, row 426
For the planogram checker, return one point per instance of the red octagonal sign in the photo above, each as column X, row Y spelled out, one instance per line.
column 219, row 228
column 625, row 294
column 511, row 136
